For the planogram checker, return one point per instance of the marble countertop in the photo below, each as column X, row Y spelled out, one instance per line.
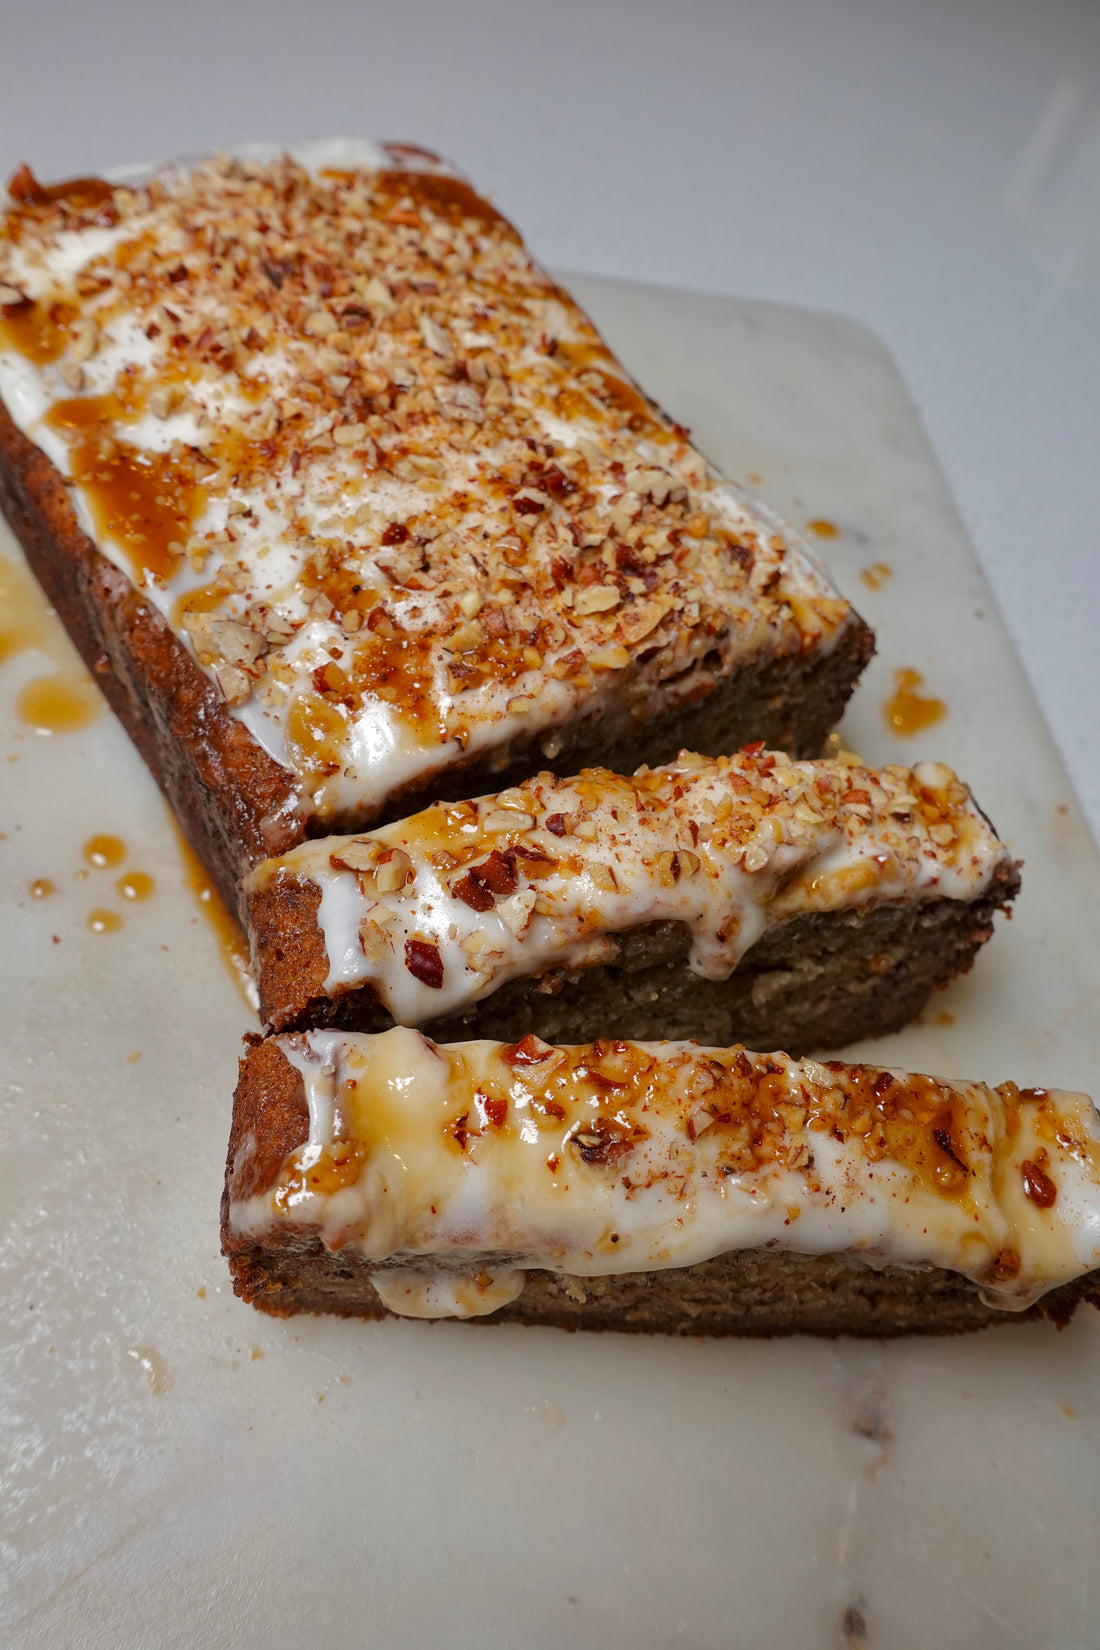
column 930, row 169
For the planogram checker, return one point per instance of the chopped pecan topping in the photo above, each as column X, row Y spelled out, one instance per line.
column 424, row 963
column 529, row 1051
column 1038, row 1186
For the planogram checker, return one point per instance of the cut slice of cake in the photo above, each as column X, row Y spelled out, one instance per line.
column 793, row 905
column 349, row 506
column 656, row 1186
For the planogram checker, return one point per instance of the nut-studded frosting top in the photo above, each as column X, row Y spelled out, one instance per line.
column 456, row 1168
column 375, row 466
column 436, row 911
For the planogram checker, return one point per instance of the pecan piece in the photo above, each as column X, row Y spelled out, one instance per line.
column 424, row 963
column 1038, row 1185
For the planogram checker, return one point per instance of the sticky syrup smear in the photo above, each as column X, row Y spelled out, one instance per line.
column 66, row 699
column 824, row 529
column 907, row 711
column 155, row 1369
column 875, row 576
column 231, row 941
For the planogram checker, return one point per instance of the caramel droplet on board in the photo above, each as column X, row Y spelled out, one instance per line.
column 136, row 885
column 908, row 712
column 104, row 922
column 59, row 704
column 156, row 1370
column 65, row 700
column 42, row 888
column 104, row 851
column 875, row 576
column 824, row 529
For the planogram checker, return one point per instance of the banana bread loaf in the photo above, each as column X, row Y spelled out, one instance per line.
column 350, row 508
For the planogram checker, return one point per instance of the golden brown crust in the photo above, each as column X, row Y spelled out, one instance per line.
column 270, row 1119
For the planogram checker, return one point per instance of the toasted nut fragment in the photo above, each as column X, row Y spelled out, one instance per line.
column 378, row 296
column 516, row 910
column 377, row 947
column 470, row 603
column 529, row 1051
column 235, row 685
column 609, row 658
column 83, row 338
column 698, row 1123
column 393, row 871
column 355, row 855
column 603, row 876
column 595, row 598
column 756, row 856
column 162, row 398
column 350, row 435
column 500, row 819
column 434, row 336
column 466, row 638
column 942, row 835
column 423, row 962
column 320, row 323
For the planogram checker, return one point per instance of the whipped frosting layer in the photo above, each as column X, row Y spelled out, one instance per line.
column 456, row 1169
column 436, row 911
column 375, row 469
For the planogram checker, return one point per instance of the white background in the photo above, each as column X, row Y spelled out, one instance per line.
column 930, row 167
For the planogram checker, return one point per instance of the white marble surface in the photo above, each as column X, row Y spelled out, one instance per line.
column 178, row 1471
column 928, row 167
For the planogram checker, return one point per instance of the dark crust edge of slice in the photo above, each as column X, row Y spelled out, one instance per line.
column 238, row 806
column 943, row 937
column 749, row 1292
column 234, row 803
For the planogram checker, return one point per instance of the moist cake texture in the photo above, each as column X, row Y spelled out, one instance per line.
column 368, row 1174
column 379, row 486
column 603, row 901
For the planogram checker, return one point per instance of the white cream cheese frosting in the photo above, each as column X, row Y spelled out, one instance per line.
column 456, row 1169
column 374, row 468
column 437, row 911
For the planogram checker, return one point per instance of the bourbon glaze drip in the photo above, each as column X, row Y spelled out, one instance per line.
column 38, row 331
column 907, row 712
column 448, row 197
column 145, row 501
column 231, row 941
column 82, row 194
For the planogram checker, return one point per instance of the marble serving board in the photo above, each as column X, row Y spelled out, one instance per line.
column 178, row 1470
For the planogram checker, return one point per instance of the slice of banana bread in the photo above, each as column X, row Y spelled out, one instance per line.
column 793, row 905
column 658, row 1186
